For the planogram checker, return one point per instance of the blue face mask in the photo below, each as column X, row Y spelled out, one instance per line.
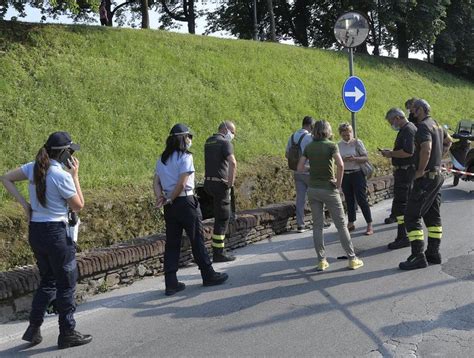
column 395, row 128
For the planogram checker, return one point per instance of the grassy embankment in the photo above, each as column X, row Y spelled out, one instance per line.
column 118, row 92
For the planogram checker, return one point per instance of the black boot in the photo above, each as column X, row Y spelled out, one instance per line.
column 219, row 255
column 417, row 258
column 432, row 252
column 73, row 339
column 213, row 278
column 399, row 243
column 170, row 291
column 32, row 334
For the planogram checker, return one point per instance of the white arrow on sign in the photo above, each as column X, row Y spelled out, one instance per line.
column 357, row 94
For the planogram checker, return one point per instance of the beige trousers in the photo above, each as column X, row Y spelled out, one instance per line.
column 332, row 199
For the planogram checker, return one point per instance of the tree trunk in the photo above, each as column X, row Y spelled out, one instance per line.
column 145, row 17
column 362, row 48
column 272, row 21
column 110, row 15
column 301, row 15
column 191, row 17
column 254, row 20
column 402, row 42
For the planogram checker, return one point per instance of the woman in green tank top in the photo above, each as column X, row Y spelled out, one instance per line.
column 326, row 169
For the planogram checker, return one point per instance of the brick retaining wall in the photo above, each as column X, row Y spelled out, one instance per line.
column 108, row 268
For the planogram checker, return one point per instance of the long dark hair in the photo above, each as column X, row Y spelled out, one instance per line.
column 42, row 164
column 174, row 143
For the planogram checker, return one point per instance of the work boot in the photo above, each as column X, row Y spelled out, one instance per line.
column 433, row 257
column 414, row 262
column 214, row 278
column 432, row 252
column 73, row 339
column 219, row 255
column 170, row 291
column 399, row 243
column 417, row 258
column 32, row 334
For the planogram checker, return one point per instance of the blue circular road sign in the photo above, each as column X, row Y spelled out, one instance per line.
column 353, row 94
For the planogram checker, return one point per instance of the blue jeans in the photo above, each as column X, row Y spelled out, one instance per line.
column 55, row 255
column 354, row 186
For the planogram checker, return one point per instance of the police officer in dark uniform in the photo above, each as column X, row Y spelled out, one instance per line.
column 431, row 142
column 403, row 170
column 54, row 189
column 220, row 170
column 173, row 185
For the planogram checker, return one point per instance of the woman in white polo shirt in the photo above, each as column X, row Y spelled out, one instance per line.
column 53, row 189
column 173, row 185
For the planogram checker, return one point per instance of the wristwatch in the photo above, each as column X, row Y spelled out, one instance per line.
column 168, row 201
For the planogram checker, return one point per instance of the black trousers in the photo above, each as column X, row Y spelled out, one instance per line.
column 424, row 202
column 401, row 190
column 55, row 255
column 220, row 193
column 354, row 187
column 184, row 213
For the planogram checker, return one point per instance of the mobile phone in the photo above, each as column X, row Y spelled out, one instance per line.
column 65, row 157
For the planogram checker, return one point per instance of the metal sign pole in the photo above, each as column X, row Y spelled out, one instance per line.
column 351, row 29
column 351, row 73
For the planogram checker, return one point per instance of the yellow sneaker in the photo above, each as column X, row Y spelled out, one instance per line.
column 322, row 265
column 355, row 263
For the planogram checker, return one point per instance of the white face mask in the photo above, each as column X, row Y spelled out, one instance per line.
column 189, row 143
column 229, row 136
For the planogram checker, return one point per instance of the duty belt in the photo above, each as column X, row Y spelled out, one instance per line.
column 183, row 193
column 404, row 167
column 215, row 179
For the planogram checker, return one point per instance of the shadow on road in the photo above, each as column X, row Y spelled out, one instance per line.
column 26, row 350
column 461, row 319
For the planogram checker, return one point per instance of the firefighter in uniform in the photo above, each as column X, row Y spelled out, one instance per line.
column 220, row 170
column 403, row 170
column 431, row 142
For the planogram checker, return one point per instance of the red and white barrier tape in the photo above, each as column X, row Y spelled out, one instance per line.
column 458, row 171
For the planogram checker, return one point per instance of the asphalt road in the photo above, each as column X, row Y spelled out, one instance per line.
column 276, row 304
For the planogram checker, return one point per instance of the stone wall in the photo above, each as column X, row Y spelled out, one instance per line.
column 103, row 269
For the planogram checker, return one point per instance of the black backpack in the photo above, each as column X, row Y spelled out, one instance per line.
column 294, row 153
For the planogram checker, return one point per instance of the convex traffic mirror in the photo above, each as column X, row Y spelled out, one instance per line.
column 351, row 29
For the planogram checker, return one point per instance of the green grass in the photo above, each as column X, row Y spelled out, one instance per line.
column 118, row 92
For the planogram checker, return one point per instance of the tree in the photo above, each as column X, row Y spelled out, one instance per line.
column 49, row 7
column 429, row 15
column 454, row 46
column 271, row 15
column 183, row 11
column 83, row 10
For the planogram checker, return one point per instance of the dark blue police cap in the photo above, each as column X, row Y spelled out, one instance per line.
column 61, row 140
column 180, row 129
